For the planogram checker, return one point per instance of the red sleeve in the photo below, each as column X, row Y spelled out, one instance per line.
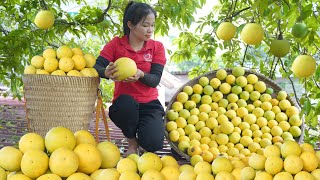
column 159, row 54
column 108, row 50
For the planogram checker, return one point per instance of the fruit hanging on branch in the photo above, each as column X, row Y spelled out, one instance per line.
column 303, row 66
column 226, row 31
column 280, row 47
column 252, row 33
column 44, row 19
column 299, row 30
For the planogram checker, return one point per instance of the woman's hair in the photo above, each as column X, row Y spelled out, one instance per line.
column 134, row 12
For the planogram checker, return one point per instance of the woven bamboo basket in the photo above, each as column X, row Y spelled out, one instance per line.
column 269, row 83
column 59, row 101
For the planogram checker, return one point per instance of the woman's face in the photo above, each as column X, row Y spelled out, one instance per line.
column 144, row 29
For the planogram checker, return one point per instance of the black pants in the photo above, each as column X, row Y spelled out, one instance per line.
column 143, row 121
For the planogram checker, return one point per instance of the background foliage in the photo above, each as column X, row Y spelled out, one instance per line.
column 101, row 20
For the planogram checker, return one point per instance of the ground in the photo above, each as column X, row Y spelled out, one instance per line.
column 13, row 124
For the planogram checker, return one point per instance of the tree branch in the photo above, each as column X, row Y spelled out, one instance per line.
column 5, row 32
column 244, row 56
column 237, row 13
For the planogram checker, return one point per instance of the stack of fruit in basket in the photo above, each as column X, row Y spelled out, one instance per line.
column 64, row 62
column 232, row 113
column 62, row 154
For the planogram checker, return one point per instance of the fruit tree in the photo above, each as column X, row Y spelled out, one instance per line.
column 264, row 36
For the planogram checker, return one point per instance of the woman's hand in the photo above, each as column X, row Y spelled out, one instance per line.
column 136, row 77
column 110, row 70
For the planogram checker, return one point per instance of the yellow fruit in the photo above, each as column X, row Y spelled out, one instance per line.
column 59, row 137
column 182, row 97
column 169, row 161
column 30, row 70
column 77, row 51
column 273, row 165
column 49, row 177
column 19, row 177
column 283, row 176
column 49, row 53
column 74, row 73
column 129, row 175
column 152, row 174
column 84, row 137
column 292, row 110
column 66, row 64
column 170, row 172
column 10, row 158
column 279, row 47
column 252, row 33
column 221, row 164
column 37, row 62
column 238, row 71
column 293, row 164
column 299, row 30
column 96, row 174
column 89, row 72
column 241, row 81
column 221, row 74
column 295, row 131
column 201, row 167
column 64, row 51
column 50, row 64
column 78, row 176
column 44, row 19
column 79, row 62
column 204, row 175
column 90, row 60
column 31, row 141
column 110, row 154
column 42, row 71
column 303, row 175
column 34, row 163
column 303, row 66
column 224, row 175
column 188, row 175
column 134, row 157
column 126, row 68
column 226, row 31
column 306, row 147
column 272, row 150
column 3, row 174
column 89, row 158
column 310, row 161
column 257, row 161
column 263, row 175
column 58, row 72
column 63, row 162
column 126, row 164
column 316, row 174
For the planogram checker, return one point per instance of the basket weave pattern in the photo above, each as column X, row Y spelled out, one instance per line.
column 269, row 83
column 59, row 101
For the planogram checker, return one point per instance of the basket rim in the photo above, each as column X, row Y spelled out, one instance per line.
column 260, row 76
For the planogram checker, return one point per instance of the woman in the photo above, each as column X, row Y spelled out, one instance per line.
column 136, row 109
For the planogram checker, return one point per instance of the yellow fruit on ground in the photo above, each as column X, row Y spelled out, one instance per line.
column 252, row 34
column 84, row 137
column 110, row 154
column 44, row 19
column 257, row 161
column 186, row 167
column 49, row 53
column 316, row 174
column 31, row 141
column 126, row 164
column 58, row 72
column 306, row 147
column 188, row 175
column 19, row 177
column 64, row 51
column 283, row 176
column 96, row 174
column 10, row 158
column 310, row 161
column 204, row 175
column 169, row 161
column 221, row 164
column 34, row 163
column 126, row 68
column 63, row 162
column 79, row 62
column 77, row 51
column 42, row 71
column 50, row 64
column 78, row 176
column 30, row 70
column 303, row 175
column 271, row 150
column 129, row 175
column 90, row 60
column 3, row 174
column 90, row 158
column 273, row 165
column 152, row 174
column 149, row 161
column 293, row 164
column 134, row 157
column 290, row 148
column 303, row 66
column 74, row 73
column 58, row 137
column 263, row 175
column 226, row 31
column 37, row 62
column 170, row 172
column 66, row 64
column 202, row 166
column 49, row 177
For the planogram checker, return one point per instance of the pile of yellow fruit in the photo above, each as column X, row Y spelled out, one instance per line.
column 62, row 154
column 64, row 62
column 234, row 113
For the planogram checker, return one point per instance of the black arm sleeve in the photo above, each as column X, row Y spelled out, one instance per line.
column 153, row 78
column 100, row 66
